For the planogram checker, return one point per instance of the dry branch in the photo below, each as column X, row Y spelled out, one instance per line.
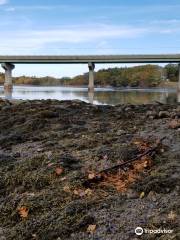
column 99, row 176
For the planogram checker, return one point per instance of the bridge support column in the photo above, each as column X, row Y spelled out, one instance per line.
column 179, row 77
column 91, row 76
column 8, row 84
column 178, row 89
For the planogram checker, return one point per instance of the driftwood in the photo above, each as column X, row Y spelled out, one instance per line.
column 99, row 176
column 150, row 151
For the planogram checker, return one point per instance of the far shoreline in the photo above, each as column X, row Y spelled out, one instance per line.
column 172, row 85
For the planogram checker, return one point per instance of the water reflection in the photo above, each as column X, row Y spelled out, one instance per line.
column 7, row 93
column 178, row 96
column 99, row 96
column 91, row 96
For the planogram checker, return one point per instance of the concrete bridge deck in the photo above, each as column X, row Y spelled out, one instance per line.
column 155, row 58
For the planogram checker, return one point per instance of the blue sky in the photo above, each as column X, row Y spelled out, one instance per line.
column 87, row 27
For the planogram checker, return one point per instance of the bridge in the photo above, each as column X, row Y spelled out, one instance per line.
column 8, row 62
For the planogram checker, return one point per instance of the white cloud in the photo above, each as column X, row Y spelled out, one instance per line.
column 10, row 9
column 29, row 41
column 41, row 8
column 149, row 8
column 35, row 39
column 166, row 21
column 2, row 2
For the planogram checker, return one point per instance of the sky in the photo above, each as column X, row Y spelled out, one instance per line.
column 67, row 27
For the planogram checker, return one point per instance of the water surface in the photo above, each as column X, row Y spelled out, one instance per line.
column 100, row 96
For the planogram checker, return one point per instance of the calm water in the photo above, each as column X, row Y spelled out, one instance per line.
column 100, row 96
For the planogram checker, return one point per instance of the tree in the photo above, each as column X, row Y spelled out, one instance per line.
column 172, row 72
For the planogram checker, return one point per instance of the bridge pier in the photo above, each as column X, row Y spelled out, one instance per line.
column 178, row 87
column 179, row 77
column 8, row 84
column 91, row 76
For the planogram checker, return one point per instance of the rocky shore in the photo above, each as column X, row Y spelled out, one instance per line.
column 49, row 149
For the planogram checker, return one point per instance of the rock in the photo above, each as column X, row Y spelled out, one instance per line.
column 173, row 115
column 163, row 114
column 120, row 132
column 151, row 114
column 2, row 237
column 6, row 108
column 174, row 124
column 69, row 162
column 152, row 196
column 177, row 115
column 151, row 117
column 132, row 194
column 178, row 109
column 49, row 114
column 17, row 154
column 127, row 109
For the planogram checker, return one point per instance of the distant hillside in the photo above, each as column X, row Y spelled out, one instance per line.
column 138, row 76
column 148, row 75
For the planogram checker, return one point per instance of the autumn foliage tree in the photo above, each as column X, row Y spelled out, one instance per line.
column 172, row 72
column 137, row 76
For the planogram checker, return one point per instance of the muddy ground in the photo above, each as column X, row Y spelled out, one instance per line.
column 47, row 150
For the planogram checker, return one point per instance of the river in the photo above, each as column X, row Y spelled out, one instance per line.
column 100, row 96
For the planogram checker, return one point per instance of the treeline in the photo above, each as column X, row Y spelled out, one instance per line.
column 138, row 76
column 148, row 75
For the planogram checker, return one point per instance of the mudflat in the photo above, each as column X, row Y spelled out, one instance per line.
column 53, row 183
